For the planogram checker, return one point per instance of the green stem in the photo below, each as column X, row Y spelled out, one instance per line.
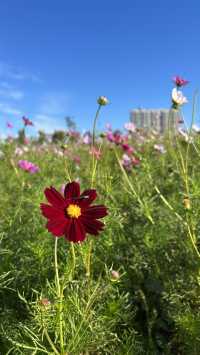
column 59, row 296
column 133, row 190
column 48, row 337
column 180, row 219
column 50, row 342
column 168, row 205
column 56, row 267
column 93, row 145
column 88, row 261
column 94, row 125
column 73, row 259
column 192, row 238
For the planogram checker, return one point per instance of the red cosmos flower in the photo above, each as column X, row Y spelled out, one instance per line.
column 72, row 215
column 180, row 81
column 27, row 122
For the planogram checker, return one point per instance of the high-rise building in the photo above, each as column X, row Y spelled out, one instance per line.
column 154, row 119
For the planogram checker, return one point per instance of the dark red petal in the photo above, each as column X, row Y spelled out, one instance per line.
column 72, row 190
column 54, row 197
column 88, row 196
column 92, row 226
column 51, row 212
column 95, row 212
column 57, row 227
column 75, row 231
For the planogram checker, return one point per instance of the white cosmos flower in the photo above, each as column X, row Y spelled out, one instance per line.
column 178, row 98
column 129, row 126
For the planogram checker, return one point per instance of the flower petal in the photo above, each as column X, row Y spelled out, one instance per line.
column 95, row 212
column 72, row 190
column 92, row 226
column 51, row 212
column 57, row 227
column 75, row 231
column 54, row 197
column 88, row 196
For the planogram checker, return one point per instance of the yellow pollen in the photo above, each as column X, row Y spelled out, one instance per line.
column 73, row 211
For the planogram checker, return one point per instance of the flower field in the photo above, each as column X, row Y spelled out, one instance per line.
column 100, row 241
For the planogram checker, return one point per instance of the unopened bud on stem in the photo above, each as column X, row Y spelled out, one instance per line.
column 102, row 100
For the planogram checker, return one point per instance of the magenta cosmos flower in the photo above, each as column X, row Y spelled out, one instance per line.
column 180, row 81
column 27, row 122
column 72, row 216
column 9, row 124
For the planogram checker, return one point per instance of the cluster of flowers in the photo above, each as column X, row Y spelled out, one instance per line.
column 128, row 160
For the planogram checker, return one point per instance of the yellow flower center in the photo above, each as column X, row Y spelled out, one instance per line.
column 73, row 211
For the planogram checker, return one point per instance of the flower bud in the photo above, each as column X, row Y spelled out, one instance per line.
column 186, row 202
column 102, row 100
column 45, row 302
column 63, row 146
column 115, row 275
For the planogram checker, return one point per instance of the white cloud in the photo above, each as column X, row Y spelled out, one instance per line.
column 8, row 110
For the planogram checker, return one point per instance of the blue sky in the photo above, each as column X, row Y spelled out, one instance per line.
column 57, row 57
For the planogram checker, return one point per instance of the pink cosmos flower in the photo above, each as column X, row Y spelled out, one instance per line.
column 128, row 162
column 87, row 138
column 26, row 141
column 180, row 81
column 27, row 122
column 135, row 161
column 96, row 152
column 77, row 159
column 28, row 166
column 127, row 148
column 115, row 137
column 110, row 137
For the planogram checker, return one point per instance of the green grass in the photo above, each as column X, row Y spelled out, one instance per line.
column 153, row 308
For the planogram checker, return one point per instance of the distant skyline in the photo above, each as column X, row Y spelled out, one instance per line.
column 57, row 57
